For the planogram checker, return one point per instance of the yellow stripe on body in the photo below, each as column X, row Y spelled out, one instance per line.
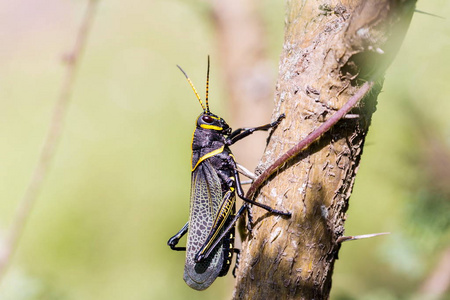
column 213, row 127
column 208, row 155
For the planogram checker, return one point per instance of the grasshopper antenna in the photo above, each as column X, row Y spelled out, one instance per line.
column 207, row 88
column 195, row 91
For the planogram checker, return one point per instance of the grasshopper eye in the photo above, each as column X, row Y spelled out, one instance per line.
column 207, row 119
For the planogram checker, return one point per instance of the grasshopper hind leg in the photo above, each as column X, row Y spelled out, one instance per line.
column 240, row 193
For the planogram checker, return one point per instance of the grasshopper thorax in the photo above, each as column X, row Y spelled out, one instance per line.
column 209, row 138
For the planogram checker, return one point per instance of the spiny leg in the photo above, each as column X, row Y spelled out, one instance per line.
column 241, row 133
column 241, row 195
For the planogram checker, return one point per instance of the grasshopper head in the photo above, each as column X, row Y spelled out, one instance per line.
column 210, row 121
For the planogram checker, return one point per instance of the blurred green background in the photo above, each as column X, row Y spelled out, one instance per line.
column 119, row 185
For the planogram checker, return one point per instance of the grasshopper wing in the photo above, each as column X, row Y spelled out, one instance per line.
column 206, row 198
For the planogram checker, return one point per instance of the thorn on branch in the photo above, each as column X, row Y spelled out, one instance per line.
column 429, row 14
column 359, row 237
column 351, row 116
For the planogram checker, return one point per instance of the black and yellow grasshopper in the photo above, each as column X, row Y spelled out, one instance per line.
column 214, row 184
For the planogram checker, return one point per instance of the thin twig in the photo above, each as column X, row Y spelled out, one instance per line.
column 312, row 137
column 9, row 245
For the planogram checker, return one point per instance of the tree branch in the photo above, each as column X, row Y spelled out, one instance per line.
column 330, row 49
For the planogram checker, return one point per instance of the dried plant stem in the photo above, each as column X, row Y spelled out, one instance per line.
column 311, row 138
column 9, row 245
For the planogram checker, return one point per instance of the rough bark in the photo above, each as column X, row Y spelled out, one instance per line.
column 330, row 49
